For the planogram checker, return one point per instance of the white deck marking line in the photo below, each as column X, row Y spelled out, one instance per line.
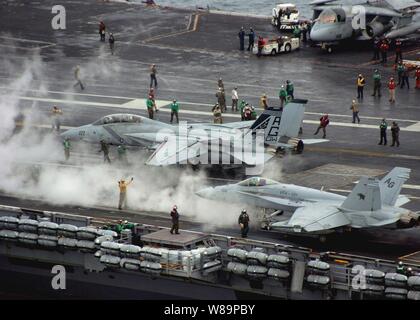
column 25, row 40
column 140, row 104
column 11, row 45
column 413, row 127
column 416, row 123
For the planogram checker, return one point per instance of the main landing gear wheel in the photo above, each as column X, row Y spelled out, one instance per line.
column 322, row 239
column 299, row 147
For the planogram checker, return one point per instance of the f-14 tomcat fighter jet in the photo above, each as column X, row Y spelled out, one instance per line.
column 200, row 143
column 340, row 20
column 372, row 203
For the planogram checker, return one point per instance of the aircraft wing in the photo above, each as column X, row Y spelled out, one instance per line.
column 402, row 200
column 314, row 141
column 315, row 218
column 403, row 4
column 320, row 2
column 381, row 12
column 404, row 31
column 369, row 10
column 271, row 202
column 176, row 151
column 231, row 125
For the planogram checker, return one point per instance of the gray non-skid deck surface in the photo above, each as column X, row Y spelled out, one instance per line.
column 183, row 239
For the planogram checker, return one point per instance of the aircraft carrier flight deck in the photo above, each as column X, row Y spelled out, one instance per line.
column 191, row 50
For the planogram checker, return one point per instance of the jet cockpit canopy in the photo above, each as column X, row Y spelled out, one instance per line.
column 118, row 118
column 257, row 182
column 330, row 16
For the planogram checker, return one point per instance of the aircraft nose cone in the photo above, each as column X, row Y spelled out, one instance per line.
column 321, row 33
column 70, row 134
column 206, row 193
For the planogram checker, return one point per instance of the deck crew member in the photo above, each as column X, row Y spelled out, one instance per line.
column 398, row 50
column 376, row 83
column 391, row 88
column 150, row 104
column 260, row 46
column 382, row 127
column 122, row 184
column 360, row 86
column 242, row 109
column 153, row 72
column 376, row 48
column 77, row 77
column 217, row 114
column 395, row 132
column 175, row 220
column 251, row 39
column 105, row 150
column 220, row 84
column 400, row 71
column 355, row 109
column 290, row 89
column 56, row 113
column 241, row 36
column 111, row 41
column 282, row 96
column 243, row 222
column 221, row 99
column 405, row 75
column 384, row 50
column 66, row 145
column 174, row 111
column 102, row 29
column 235, row 99
column 263, row 101
column 400, row 268
column 323, row 123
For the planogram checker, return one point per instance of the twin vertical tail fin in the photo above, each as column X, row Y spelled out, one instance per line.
column 366, row 196
column 278, row 123
column 392, row 183
column 370, row 194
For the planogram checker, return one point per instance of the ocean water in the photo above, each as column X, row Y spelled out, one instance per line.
column 256, row 7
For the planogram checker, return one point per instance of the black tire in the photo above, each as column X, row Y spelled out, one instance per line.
column 287, row 48
column 299, row 147
column 195, row 167
column 273, row 52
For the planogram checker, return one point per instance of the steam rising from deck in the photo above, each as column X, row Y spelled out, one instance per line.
column 29, row 161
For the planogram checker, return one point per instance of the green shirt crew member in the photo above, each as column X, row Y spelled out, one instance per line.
column 296, row 32
column 174, row 111
column 376, row 83
column 282, row 96
column 66, row 144
column 382, row 127
column 290, row 88
column 150, row 103
column 122, row 153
